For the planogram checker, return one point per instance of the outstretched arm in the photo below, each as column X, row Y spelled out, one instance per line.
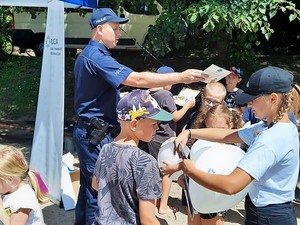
column 221, row 135
column 152, row 80
column 226, row 184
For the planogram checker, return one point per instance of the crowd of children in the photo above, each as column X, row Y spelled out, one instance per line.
column 129, row 182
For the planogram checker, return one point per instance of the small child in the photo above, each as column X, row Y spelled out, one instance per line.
column 218, row 116
column 127, row 178
column 232, row 81
column 21, row 189
column 167, row 129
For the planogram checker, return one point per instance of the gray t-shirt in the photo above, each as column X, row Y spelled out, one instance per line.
column 166, row 129
column 125, row 174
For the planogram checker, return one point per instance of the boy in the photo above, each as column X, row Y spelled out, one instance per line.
column 232, row 81
column 127, row 178
column 166, row 130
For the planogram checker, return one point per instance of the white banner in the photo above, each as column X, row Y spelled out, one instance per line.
column 24, row 3
column 46, row 155
column 34, row 3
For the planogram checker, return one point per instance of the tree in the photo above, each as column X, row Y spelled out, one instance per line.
column 237, row 23
column 5, row 22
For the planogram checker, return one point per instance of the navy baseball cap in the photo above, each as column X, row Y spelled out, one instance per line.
column 139, row 104
column 165, row 69
column 237, row 71
column 265, row 81
column 104, row 15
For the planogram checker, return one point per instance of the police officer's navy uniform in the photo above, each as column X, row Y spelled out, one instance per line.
column 97, row 78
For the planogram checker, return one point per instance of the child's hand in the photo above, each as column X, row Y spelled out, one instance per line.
column 181, row 139
column 169, row 169
column 191, row 103
column 187, row 166
column 180, row 181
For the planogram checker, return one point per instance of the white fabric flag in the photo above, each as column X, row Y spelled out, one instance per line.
column 46, row 155
column 24, row 3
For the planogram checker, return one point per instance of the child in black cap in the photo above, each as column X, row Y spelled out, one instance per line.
column 127, row 178
column 167, row 130
column 271, row 162
column 232, row 80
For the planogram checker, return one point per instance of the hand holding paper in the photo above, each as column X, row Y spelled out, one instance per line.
column 215, row 73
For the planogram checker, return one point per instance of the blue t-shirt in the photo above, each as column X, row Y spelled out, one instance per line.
column 272, row 159
column 97, row 79
column 125, row 174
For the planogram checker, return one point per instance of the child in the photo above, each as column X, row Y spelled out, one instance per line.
column 127, row 178
column 218, row 116
column 272, row 159
column 20, row 188
column 166, row 130
column 232, row 81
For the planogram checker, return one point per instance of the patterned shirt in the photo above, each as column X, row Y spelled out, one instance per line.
column 125, row 174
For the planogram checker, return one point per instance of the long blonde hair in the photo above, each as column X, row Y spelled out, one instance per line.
column 14, row 164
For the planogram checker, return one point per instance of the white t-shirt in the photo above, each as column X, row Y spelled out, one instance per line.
column 25, row 198
column 272, row 159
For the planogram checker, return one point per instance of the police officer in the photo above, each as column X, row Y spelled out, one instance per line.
column 98, row 77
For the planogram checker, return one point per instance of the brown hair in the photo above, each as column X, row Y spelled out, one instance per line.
column 233, row 116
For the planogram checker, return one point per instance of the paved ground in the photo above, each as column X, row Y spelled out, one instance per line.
column 21, row 135
column 57, row 216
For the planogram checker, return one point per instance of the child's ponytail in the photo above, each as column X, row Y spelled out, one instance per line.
column 38, row 185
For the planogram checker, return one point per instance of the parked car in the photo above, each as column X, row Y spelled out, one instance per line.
column 28, row 32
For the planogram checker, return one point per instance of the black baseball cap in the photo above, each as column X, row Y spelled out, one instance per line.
column 265, row 81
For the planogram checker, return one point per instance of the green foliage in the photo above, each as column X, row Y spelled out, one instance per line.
column 238, row 22
column 5, row 21
column 242, row 20
column 169, row 32
column 248, row 16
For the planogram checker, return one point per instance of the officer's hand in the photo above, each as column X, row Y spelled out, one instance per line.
column 191, row 76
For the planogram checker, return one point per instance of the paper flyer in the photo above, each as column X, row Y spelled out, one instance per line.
column 185, row 95
column 215, row 73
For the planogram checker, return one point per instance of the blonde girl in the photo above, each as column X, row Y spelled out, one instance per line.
column 21, row 190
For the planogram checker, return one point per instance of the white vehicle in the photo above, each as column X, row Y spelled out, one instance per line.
column 29, row 33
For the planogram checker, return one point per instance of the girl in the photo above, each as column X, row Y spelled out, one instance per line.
column 218, row 116
column 272, row 159
column 20, row 189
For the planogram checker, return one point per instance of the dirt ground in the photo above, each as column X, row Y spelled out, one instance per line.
column 21, row 134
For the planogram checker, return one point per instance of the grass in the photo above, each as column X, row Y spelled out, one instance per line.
column 19, row 85
column 20, row 77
